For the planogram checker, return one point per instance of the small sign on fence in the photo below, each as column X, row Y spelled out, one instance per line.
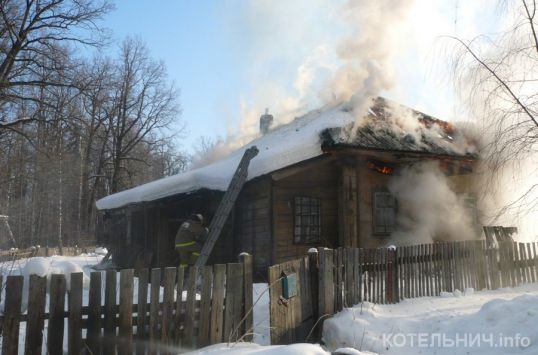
column 289, row 284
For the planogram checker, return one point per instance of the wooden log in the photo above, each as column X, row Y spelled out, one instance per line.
column 248, row 308
column 233, row 302
column 74, row 334
column 188, row 340
column 93, row 341
column 36, row 315
column 12, row 315
column 110, row 313
column 126, row 312
column 167, row 318
column 55, row 334
column 154, row 306
column 217, row 304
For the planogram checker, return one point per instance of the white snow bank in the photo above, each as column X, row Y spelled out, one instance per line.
column 251, row 348
column 489, row 322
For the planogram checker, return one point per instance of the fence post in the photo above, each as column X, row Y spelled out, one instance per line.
column 248, row 312
column 326, row 282
column 314, row 285
column 55, row 334
column 12, row 315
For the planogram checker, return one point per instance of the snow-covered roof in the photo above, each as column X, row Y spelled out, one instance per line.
column 398, row 128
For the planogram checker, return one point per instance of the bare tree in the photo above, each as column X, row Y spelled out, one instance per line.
column 499, row 76
column 34, row 35
column 144, row 103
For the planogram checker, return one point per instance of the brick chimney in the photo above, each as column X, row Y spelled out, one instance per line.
column 266, row 120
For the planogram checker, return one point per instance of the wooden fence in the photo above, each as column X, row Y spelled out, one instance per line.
column 159, row 310
column 343, row 277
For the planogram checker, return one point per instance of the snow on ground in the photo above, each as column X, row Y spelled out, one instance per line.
column 260, row 295
column 487, row 322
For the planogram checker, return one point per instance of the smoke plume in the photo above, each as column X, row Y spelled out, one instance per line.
column 428, row 209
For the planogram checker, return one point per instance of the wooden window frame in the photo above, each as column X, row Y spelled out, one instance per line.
column 388, row 229
column 306, row 220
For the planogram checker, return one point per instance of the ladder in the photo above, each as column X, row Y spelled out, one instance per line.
column 226, row 205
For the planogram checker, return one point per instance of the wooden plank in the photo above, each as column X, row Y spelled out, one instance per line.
column 74, row 334
column 125, row 323
column 326, row 282
column 438, row 269
column 12, row 315
column 405, row 270
column 233, row 302
column 523, row 263
column 154, row 306
column 179, row 316
column 277, row 317
column 530, row 263
column 142, row 312
column 248, row 309
column 110, row 313
column 36, row 315
column 412, row 270
column 55, row 334
column 93, row 341
column 535, row 261
column 205, row 306
column 167, row 317
column 188, row 340
column 357, row 280
column 514, row 264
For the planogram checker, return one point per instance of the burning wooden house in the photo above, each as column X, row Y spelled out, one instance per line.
column 321, row 180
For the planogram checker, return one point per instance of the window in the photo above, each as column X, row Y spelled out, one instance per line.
column 384, row 210
column 307, row 218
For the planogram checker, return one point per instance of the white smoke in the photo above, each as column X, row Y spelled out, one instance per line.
column 428, row 209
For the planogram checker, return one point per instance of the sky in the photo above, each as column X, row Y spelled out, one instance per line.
column 231, row 59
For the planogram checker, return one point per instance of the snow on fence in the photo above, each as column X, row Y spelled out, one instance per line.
column 171, row 308
column 329, row 280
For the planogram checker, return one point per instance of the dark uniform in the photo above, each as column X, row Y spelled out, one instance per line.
column 190, row 239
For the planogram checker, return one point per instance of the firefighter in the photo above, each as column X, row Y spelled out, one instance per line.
column 190, row 239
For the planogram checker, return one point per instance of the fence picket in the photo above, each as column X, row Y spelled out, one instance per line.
column 12, row 314
column 110, row 313
column 178, row 321
column 142, row 312
column 74, row 334
column 36, row 315
column 154, row 306
column 233, row 302
column 205, row 304
column 55, row 334
column 190, row 307
column 168, row 305
column 530, row 263
column 125, row 322
column 93, row 341
column 217, row 303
